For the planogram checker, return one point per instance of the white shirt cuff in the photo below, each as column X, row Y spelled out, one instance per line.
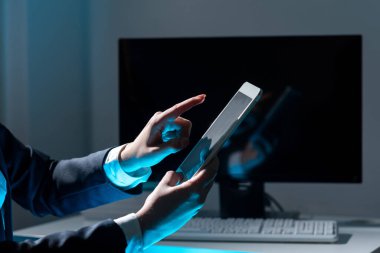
column 119, row 175
column 132, row 231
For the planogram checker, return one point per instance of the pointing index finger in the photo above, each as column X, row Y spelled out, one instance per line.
column 178, row 109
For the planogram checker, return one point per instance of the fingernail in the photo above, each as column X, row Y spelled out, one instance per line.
column 202, row 96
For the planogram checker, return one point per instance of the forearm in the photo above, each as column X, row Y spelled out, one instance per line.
column 105, row 236
column 66, row 186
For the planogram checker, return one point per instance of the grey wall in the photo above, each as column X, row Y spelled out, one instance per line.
column 57, row 75
column 45, row 86
column 114, row 19
column 1, row 60
column 60, row 74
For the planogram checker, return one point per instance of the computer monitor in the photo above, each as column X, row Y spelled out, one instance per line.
column 306, row 128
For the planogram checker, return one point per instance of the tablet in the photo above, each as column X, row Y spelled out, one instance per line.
column 223, row 126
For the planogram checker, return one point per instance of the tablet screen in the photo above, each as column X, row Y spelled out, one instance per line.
column 216, row 134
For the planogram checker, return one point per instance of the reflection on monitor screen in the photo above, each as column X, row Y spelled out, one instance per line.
column 306, row 128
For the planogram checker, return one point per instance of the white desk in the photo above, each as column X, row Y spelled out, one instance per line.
column 353, row 238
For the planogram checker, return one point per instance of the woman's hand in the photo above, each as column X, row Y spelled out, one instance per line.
column 165, row 133
column 171, row 204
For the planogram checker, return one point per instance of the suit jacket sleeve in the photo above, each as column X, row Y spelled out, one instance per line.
column 46, row 186
column 105, row 236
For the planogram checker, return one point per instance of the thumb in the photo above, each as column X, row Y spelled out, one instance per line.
column 171, row 178
column 174, row 145
column 207, row 173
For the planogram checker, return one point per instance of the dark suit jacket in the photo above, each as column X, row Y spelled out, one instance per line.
column 45, row 186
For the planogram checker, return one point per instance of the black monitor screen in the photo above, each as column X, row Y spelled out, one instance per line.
column 305, row 128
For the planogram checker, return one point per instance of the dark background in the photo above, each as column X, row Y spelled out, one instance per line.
column 319, row 141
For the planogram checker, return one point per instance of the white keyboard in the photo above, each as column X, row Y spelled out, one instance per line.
column 257, row 230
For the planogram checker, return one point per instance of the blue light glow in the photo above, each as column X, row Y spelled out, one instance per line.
column 3, row 189
column 175, row 249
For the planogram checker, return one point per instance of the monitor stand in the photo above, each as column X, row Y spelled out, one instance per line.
column 246, row 199
column 241, row 199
